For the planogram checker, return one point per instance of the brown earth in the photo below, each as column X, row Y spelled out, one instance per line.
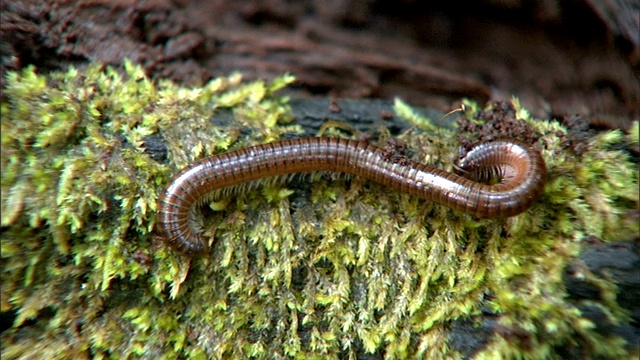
column 560, row 57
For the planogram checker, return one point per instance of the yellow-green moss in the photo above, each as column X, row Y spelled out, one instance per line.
column 351, row 267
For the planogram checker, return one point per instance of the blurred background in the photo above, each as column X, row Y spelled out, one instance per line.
column 560, row 57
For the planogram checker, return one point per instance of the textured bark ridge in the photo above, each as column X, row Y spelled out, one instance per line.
column 558, row 57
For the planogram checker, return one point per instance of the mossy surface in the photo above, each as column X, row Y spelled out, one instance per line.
column 336, row 269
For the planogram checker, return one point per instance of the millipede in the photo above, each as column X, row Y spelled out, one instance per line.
column 516, row 171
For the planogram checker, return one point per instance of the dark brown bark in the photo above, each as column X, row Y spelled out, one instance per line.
column 560, row 57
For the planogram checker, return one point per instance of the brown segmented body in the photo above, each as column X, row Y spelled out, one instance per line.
column 519, row 168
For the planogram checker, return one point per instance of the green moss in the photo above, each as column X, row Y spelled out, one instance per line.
column 355, row 268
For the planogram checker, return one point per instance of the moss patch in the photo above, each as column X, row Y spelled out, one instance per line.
column 337, row 269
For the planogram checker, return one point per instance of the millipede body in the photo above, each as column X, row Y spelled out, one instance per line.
column 519, row 170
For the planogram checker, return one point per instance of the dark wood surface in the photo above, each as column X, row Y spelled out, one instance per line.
column 560, row 57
